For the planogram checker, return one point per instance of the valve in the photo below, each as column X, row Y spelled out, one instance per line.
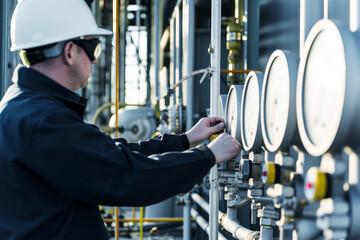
column 316, row 185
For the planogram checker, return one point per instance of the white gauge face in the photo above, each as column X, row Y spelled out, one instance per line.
column 277, row 98
column 233, row 112
column 324, row 87
column 251, row 111
column 232, row 115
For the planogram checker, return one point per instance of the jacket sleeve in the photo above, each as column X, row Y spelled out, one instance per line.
column 160, row 144
column 84, row 164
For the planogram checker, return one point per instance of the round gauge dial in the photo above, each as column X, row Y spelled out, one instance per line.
column 325, row 82
column 250, row 112
column 222, row 105
column 233, row 111
column 278, row 115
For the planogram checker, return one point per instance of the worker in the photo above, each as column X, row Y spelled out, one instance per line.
column 55, row 169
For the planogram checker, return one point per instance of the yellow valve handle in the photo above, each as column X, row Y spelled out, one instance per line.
column 271, row 173
column 212, row 137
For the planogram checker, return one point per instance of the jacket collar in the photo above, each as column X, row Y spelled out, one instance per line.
column 34, row 80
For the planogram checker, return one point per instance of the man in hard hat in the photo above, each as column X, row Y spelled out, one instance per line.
column 54, row 168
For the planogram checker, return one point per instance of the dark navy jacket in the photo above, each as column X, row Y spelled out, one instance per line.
column 55, row 169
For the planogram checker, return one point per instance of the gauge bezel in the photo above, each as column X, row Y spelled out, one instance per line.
column 237, row 90
column 222, row 105
column 257, row 142
column 345, row 123
column 291, row 131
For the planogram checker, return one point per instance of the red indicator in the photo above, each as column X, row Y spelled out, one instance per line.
column 264, row 173
column 309, row 185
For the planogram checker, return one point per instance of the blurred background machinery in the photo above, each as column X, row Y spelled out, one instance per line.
column 284, row 76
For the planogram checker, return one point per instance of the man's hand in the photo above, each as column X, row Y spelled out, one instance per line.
column 203, row 129
column 224, row 148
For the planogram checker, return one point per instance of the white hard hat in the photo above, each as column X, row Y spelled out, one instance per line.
column 37, row 23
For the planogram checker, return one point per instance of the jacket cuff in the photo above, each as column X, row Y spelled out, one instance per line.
column 185, row 141
column 203, row 148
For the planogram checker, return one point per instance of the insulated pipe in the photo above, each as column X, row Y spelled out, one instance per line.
column 201, row 202
column 228, row 221
column 238, row 231
column 215, row 54
column 203, row 223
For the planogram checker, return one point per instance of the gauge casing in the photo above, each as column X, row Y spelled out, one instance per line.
column 251, row 135
column 222, row 105
column 232, row 112
column 278, row 102
column 327, row 101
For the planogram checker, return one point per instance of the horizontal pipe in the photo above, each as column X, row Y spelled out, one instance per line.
column 146, row 220
column 203, row 223
column 238, row 231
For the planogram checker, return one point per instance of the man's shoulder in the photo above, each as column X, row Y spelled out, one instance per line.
column 21, row 104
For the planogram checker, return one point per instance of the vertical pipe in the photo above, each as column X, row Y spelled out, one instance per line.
column 245, row 35
column 214, row 96
column 122, row 48
column 178, row 61
column 188, row 53
column 149, row 37
column 157, row 47
column 253, row 23
column 311, row 11
column 187, row 218
column 354, row 15
column 326, row 9
column 141, row 223
column 117, row 83
column 172, row 56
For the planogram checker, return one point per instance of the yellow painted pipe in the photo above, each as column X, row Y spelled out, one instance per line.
column 147, row 220
column 141, row 222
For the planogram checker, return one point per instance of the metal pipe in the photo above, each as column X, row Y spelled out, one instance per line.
column 228, row 220
column 244, row 21
column 117, row 83
column 239, row 232
column 354, row 15
column 188, row 56
column 203, row 223
column 187, row 218
column 215, row 54
column 201, row 202
column 141, row 223
column 157, row 47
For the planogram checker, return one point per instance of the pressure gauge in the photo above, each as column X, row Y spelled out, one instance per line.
column 250, row 112
column 327, row 91
column 278, row 115
column 233, row 111
column 222, row 105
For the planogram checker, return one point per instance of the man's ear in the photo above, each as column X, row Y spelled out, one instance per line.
column 67, row 53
